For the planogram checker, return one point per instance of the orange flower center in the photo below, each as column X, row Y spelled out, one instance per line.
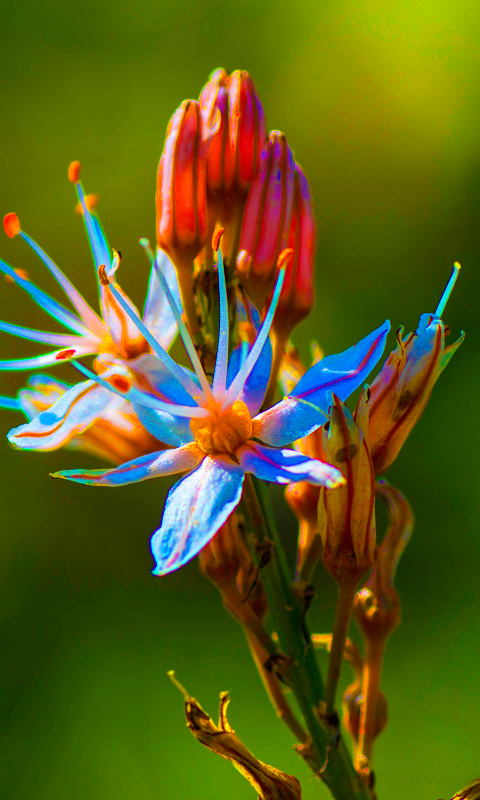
column 223, row 431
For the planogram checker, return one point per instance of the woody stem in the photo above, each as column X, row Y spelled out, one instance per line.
column 372, row 672
column 343, row 615
column 298, row 666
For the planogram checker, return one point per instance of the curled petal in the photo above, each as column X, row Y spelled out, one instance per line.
column 71, row 414
column 196, row 508
column 153, row 465
column 287, row 466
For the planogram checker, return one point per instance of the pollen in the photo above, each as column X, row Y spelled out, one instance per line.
column 11, row 224
column 225, row 431
column 74, row 171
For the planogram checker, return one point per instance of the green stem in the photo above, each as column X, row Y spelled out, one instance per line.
column 343, row 615
column 300, row 671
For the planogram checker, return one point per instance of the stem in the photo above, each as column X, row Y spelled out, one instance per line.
column 343, row 615
column 372, row 672
column 300, row 670
column 184, row 270
column 274, row 689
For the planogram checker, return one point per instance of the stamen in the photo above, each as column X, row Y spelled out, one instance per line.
column 47, row 303
column 57, row 339
column 142, row 398
column 185, row 336
column 11, row 403
column 221, row 362
column 447, row 291
column 187, row 383
column 90, row 318
column 96, row 237
column 237, row 384
column 145, row 244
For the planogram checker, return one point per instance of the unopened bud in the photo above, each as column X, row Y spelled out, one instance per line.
column 401, row 390
column 346, row 518
column 266, row 222
column 298, row 291
column 247, row 132
column 181, row 183
column 377, row 605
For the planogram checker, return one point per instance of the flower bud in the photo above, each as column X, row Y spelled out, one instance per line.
column 377, row 604
column 302, row 497
column 401, row 390
column 471, row 792
column 227, row 563
column 266, row 222
column 298, row 292
column 181, row 183
column 214, row 95
column 346, row 519
column 247, row 131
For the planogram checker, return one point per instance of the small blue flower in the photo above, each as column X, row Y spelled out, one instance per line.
column 213, row 429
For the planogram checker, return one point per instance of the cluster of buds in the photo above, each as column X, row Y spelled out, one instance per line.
column 219, row 167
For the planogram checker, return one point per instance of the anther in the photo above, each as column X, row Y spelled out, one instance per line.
column 64, row 354
column 91, row 201
column 22, row 273
column 216, row 238
column 447, row 291
column 102, row 275
column 284, row 258
column 11, row 224
column 74, row 171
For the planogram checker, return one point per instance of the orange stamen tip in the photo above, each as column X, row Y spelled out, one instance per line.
column 74, row 171
column 244, row 261
column 284, row 258
column 63, row 354
column 91, row 201
column 22, row 273
column 11, row 224
column 216, row 238
column 102, row 276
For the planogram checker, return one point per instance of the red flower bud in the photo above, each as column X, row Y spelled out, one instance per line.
column 247, row 131
column 214, row 96
column 267, row 218
column 181, row 183
column 298, row 293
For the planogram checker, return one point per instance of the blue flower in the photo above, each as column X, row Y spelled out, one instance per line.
column 216, row 431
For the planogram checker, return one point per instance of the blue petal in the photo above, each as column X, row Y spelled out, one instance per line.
column 196, row 507
column 69, row 416
column 342, row 373
column 306, row 408
column 255, row 386
column 158, row 315
column 287, row 466
column 153, row 465
column 287, row 421
column 167, row 428
column 161, row 379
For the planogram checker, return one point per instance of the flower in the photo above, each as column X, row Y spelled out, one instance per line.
column 401, row 390
column 113, row 337
column 212, row 429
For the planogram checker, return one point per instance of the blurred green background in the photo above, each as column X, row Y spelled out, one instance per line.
column 381, row 103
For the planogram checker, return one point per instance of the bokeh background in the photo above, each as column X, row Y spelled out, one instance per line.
column 381, row 103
